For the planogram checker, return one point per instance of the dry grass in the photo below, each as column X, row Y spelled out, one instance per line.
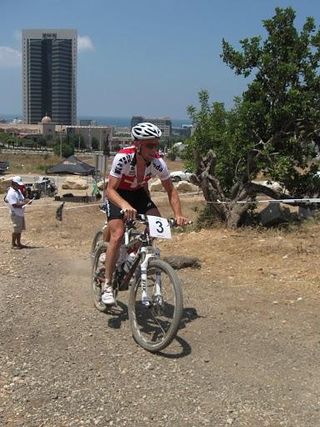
column 22, row 164
column 261, row 258
column 271, row 259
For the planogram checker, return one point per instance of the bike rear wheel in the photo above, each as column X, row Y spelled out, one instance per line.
column 96, row 240
column 154, row 327
column 96, row 283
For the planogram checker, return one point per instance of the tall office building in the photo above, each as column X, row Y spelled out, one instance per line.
column 49, row 75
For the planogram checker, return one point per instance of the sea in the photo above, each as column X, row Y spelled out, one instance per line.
column 102, row 121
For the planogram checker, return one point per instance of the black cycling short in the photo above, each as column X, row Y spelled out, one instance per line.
column 138, row 199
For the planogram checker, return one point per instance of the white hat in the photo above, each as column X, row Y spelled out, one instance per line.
column 17, row 180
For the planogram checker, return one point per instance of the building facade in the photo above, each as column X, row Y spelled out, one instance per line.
column 94, row 137
column 49, row 75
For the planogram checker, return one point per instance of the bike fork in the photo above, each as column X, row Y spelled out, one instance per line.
column 144, row 267
column 158, row 277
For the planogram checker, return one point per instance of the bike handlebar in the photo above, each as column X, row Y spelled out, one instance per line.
column 143, row 218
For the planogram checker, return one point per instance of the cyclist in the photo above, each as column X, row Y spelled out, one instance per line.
column 128, row 191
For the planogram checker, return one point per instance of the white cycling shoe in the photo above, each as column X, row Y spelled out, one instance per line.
column 107, row 296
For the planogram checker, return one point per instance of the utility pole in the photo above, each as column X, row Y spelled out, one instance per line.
column 106, row 153
column 60, row 134
column 89, row 137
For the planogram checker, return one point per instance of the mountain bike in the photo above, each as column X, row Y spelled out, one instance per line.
column 155, row 297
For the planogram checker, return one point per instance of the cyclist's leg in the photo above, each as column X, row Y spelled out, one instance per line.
column 115, row 233
column 154, row 211
column 116, row 230
column 144, row 204
column 147, row 206
column 106, row 233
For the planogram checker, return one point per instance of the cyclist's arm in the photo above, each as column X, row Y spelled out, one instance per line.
column 174, row 201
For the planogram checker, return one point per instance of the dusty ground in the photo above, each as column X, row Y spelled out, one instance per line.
column 247, row 353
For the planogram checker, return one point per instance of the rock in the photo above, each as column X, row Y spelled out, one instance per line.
column 182, row 186
column 274, row 214
column 156, row 185
column 5, row 183
column 186, row 187
column 177, row 262
column 101, row 184
column 306, row 212
column 75, row 183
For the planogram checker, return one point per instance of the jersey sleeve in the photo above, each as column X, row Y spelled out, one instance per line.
column 120, row 165
column 162, row 170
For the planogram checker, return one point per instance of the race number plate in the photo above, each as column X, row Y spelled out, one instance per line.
column 159, row 227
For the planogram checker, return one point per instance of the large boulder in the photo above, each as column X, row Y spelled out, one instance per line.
column 156, row 185
column 75, row 183
column 182, row 186
column 186, row 187
column 274, row 214
column 5, row 182
column 178, row 261
column 306, row 212
column 101, row 184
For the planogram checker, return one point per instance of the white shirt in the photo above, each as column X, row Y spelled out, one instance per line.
column 15, row 196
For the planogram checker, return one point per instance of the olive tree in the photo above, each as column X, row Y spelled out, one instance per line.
column 273, row 127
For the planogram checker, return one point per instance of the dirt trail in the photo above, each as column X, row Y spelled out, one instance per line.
column 247, row 353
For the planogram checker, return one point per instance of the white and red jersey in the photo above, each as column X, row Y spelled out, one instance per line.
column 124, row 166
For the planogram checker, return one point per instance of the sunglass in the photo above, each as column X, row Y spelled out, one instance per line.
column 151, row 146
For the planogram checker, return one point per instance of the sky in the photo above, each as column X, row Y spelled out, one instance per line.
column 141, row 57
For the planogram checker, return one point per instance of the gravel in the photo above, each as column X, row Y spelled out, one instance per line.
column 239, row 359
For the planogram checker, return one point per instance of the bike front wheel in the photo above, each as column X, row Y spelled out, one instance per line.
column 155, row 325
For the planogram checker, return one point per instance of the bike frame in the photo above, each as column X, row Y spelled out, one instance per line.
column 146, row 251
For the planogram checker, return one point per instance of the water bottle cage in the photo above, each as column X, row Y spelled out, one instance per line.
column 117, row 277
column 121, row 282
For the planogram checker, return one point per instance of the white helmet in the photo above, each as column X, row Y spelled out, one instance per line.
column 145, row 131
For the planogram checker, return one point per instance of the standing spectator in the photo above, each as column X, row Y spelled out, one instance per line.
column 17, row 202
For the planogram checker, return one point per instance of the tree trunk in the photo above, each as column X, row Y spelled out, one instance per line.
column 229, row 210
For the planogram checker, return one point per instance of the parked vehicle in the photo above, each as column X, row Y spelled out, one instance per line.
column 46, row 185
column 4, row 166
column 31, row 192
column 177, row 176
